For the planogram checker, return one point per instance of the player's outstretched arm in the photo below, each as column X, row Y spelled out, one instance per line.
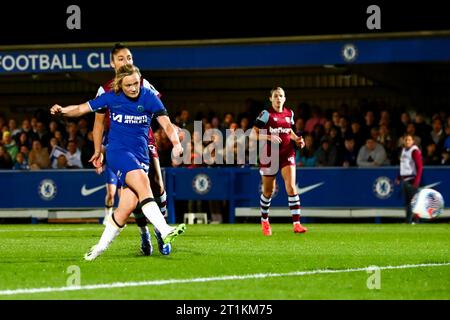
column 72, row 111
column 171, row 132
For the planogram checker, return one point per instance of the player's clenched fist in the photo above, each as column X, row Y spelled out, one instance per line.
column 56, row 109
column 300, row 142
column 177, row 150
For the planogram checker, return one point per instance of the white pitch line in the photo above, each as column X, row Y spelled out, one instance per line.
column 223, row 278
column 47, row 230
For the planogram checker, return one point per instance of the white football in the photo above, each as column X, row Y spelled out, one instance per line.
column 427, row 204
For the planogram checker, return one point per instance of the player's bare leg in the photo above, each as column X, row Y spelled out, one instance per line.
column 138, row 181
column 289, row 176
column 268, row 186
column 109, row 200
column 114, row 223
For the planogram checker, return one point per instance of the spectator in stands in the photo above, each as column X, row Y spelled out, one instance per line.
column 23, row 140
column 411, row 130
column 336, row 118
column 300, row 127
column 405, row 120
column 228, row 119
column 306, row 157
column 327, row 127
column 385, row 118
column 61, row 141
column 338, row 142
column 316, row 118
column 350, row 153
column 73, row 134
column 83, row 130
column 244, row 124
column 387, row 140
column 26, row 151
column 12, row 126
column 215, row 123
column 74, row 155
column 53, row 143
column 185, row 122
column 375, row 133
column 62, row 163
column 344, row 128
column 326, row 154
column 10, row 144
column 422, row 128
column 432, row 157
column 369, row 123
column 52, row 128
column 318, row 133
column 21, row 162
column 33, row 124
column 26, row 127
column 437, row 135
column 39, row 157
column 357, row 134
column 5, row 159
column 410, row 174
column 445, row 161
column 42, row 133
column 372, row 154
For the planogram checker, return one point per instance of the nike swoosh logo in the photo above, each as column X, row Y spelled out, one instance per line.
column 87, row 192
column 308, row 188
column 431, row 185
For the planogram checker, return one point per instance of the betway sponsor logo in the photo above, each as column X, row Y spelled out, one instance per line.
column 279, row 130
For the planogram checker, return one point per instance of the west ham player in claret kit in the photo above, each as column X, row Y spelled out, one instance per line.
column 275, row 126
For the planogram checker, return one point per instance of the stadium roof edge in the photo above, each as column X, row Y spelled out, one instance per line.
column 262, row 40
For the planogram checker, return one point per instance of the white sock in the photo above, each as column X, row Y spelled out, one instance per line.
column 151, row 211
column 109, row 234
column 143, row 230
column 108, row 211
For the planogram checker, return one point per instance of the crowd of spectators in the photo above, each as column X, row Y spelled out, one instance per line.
column 332, row 138
column 335, row 138
column 40, row 142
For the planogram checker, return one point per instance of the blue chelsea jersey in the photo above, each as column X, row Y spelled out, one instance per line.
column 130, row 119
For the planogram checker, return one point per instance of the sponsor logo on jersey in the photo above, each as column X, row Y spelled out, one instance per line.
column 279, row 130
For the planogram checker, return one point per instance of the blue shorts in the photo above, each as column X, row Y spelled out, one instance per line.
column 110, row 177
column 121, row 162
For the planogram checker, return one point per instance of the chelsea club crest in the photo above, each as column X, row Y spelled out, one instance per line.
column 349, row 52
column 201, row 184
column 383, row 187
column 47, row 189
column 140, row 108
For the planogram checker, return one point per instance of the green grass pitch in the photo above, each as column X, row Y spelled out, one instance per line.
column 40, row 256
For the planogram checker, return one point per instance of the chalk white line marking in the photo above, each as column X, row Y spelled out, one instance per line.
column 50, row 230
column 223, row 278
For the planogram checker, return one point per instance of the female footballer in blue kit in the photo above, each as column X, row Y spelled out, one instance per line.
column 121, row 55
column 132, row 109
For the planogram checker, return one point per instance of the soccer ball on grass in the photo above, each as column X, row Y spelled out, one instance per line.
column 427, row 204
